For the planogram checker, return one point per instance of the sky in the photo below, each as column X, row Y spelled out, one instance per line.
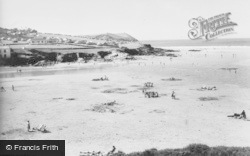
column 143, row 19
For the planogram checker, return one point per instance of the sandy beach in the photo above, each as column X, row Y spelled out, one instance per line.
column 64, row 97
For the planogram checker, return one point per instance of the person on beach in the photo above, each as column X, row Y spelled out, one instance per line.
column 239, row 116
column 106, row 78
column 2, row 89
column 243, row 115
column 28, row 126
column 13, row 88
column 42, row 128
column 173, row 95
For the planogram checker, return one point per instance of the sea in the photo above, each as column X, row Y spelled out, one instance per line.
column 201, row 42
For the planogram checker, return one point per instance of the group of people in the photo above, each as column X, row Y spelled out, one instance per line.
column 110, row 153
column 172, row 78
column 208, row 88
column 41, row 128
column 105, row 78
column 110, row 103
column 242, row 115
column 148, row 84
column 4, row 90
column 151, row 94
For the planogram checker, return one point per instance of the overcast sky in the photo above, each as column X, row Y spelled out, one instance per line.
column 143, row 19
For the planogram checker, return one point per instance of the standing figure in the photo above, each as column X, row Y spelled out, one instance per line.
column 28, row 125
column 173, row 95
column 13, row 88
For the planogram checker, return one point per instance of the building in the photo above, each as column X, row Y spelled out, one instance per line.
column 52, row 40
column 5, row 52
column 38, row 40
column 31, row 34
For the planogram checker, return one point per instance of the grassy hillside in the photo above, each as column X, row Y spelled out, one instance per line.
column 193, row 150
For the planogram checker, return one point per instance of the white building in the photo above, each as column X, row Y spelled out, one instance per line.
column 5, row 52
column 38, row 40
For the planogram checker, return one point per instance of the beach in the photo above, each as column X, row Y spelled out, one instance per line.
column 64, row 97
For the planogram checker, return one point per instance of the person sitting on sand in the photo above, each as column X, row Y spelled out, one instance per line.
column 204, row 87
column 153, row 94
column 239, row 116
column 105, row 77
column 2, row 89
column 42, row 128
column 172, row 78
column 211, row 88
column 156, row 94
column 236, row 115
column 148, row 94
column 243, row 115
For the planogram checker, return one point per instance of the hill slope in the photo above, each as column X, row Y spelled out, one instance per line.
column 113, row 37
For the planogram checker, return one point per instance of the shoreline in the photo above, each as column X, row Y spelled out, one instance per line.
column 117, row 61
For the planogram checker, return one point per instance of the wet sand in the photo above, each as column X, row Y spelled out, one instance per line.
column 64, row 101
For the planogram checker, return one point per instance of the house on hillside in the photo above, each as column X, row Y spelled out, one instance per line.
column 102, row 44
column 31, row 34
column 60, row 40
column 69, row 41
column 5, row 52
column 52, row 40
column 38, row 40
column 80, row 42
column 90, row 43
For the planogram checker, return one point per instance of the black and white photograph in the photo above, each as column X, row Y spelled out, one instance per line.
column 126, row 77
